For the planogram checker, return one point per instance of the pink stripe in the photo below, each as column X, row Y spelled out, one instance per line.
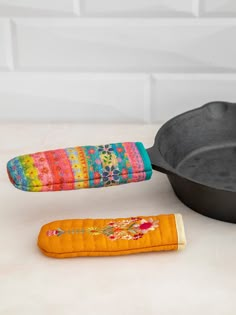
column 136, row 161
column 44, row 171
column 65, row 170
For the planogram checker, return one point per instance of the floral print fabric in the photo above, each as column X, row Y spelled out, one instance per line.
column 128, row 229
column 81, row 167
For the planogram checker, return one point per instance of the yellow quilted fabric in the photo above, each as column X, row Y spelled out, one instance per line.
column 111, row 237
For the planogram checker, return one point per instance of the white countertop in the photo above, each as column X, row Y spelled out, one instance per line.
column 198, row 280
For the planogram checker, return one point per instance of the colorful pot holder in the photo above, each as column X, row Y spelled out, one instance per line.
column 112, row 237
column 81, row 167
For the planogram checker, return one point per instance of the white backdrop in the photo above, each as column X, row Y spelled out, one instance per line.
column 114, row 61
column 122, row 61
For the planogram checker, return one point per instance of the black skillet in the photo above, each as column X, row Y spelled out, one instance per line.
column 197, row 151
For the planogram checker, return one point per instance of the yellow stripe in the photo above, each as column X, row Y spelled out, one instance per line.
column 84, row 169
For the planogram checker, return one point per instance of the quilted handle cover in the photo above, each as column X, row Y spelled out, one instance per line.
column 112, row 237
column 81, row 167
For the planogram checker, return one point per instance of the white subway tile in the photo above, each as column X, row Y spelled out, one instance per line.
column 218, row 7
column 126, row 45
column 4, row 44
column 73, row 97
column 175, row 94
column 36, row 8
column 127, row 8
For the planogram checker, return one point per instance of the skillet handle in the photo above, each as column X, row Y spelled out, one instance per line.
column 158, row 162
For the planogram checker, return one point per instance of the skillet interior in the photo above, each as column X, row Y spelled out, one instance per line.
column 201, row 145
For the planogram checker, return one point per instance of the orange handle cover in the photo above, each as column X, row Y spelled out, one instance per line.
column 111, row 237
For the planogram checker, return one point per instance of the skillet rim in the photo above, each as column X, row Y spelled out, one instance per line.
column 172, row 171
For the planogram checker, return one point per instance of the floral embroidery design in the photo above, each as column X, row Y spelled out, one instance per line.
column 129, row 229
column 81, row 167
column 105, row 149
column 110, row 175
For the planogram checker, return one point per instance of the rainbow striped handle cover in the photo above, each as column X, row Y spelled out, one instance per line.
column 81, row 167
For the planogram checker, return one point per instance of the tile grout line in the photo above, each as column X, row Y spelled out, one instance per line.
column 196, row 8
column 10, row 45
column 154, row 77
column 161, row 75
column 148, row 100
column 83, row 8
column 77, row 7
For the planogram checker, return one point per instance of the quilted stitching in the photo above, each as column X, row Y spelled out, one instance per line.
column 162, row 236
column 80, row 167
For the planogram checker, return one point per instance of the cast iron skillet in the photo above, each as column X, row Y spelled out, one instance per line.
column 197, row 151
